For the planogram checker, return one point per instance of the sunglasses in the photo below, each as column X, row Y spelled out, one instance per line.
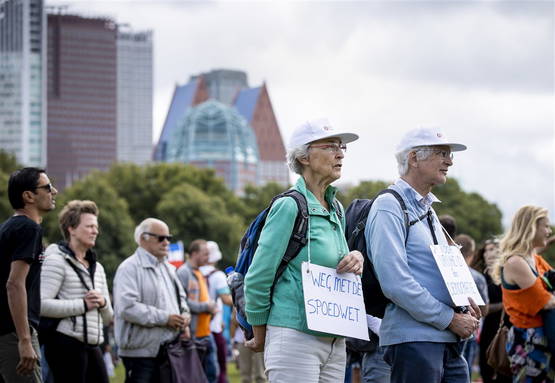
column 160, row 237
column 47, row 187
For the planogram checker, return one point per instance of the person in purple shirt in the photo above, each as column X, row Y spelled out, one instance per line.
column 421, row 329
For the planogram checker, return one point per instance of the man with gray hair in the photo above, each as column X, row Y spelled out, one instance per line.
column 421, row 328
column 147, row 302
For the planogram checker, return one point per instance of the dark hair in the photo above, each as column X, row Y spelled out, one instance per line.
column 70, row 216
column 478, row 262
column 26, row 179
column 195, row 246
column 467, row 243
column 448, row 224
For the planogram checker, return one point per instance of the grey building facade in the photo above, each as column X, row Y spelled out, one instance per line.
column 23, row 80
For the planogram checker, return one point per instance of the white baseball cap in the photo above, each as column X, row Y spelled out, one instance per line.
column 427, row 137
column 214, row 253
column 315, row 130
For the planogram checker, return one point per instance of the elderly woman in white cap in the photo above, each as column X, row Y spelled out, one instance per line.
column 292, row 352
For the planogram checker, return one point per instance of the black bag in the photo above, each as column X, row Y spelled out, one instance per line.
column 356, row 215
column 362, row 346
column 180, row 362
column 180, row 359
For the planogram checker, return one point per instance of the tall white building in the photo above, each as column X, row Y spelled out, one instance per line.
column 134, row 95
column 23, row 80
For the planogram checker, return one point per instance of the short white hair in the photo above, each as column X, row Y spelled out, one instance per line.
column 403, row 158
column 293, row 155
column 145, row 226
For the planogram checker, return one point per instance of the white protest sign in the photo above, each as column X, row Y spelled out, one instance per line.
column 333, row 302
column 456, row 275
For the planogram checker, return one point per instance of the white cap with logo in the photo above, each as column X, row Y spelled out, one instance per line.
column 427, row 137
column 315, row 130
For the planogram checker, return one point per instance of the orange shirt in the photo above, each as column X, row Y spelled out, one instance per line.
column 203, row 321
column 523, row 305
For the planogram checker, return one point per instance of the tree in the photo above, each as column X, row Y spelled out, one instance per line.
column 258, row 198
column 115, row 241
column 365, row 189
column 144, row 187
column 474, row 215
column 8, row 162
column 5, row 208
column 191, row 213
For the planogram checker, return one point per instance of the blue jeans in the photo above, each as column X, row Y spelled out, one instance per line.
column 470, row 349
column 374, row 369
column 141, row 370
column 210, row 359
column 426, row 362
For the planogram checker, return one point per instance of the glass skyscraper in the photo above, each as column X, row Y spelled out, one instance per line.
column 23, row 80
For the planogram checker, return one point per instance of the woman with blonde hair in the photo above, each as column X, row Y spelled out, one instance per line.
column 74, row 290
column 525, row 294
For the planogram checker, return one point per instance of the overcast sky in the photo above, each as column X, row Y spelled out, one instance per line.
column 481, row 71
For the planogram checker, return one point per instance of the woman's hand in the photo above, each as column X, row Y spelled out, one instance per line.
column 256, row 344
column 351, row 263
column 94, row 299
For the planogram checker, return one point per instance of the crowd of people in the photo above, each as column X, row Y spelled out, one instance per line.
column 55, row 302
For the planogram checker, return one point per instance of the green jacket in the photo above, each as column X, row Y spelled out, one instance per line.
column 327, row 247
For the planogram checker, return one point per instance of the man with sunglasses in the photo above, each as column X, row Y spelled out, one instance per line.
column 147, row 301
column 32, row 196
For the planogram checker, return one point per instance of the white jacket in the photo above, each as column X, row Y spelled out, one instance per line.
column 62, row 294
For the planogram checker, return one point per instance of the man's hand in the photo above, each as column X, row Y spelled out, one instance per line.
column 351, row 263
column 186, row 334
column 463, row 325
column 177, row 322
column 27, row 357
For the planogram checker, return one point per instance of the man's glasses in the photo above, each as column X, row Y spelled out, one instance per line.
column 47, row 187
column 160, row 237
column 331, row 147
column 445, row 154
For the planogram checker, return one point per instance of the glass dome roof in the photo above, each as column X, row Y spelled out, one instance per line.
column 213, row 131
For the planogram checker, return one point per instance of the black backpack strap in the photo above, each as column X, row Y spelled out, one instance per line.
column 298, row 237
column 85, row 327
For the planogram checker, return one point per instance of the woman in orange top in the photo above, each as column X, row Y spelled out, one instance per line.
column 525, row 294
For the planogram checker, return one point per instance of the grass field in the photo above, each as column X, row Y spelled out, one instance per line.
column 232, row 374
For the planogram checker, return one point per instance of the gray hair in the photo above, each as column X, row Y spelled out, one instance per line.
column 293, row 155
column 144, row 227
column 403, row 158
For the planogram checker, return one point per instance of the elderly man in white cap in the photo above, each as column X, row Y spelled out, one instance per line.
column 293, row 352
column 219, row 292
column 421, row 328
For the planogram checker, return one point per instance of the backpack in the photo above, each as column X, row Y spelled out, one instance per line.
column 249, row 244
column 356, row 216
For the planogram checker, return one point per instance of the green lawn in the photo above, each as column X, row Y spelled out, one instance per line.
column 232, row 374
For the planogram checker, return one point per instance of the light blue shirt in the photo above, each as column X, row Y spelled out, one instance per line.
column 421, row 308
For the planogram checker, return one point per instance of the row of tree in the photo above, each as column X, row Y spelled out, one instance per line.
column 197, row 204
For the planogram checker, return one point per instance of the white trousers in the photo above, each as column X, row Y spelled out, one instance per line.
column 293, row 356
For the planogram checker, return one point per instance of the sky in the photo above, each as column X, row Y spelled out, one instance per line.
column 481, row 71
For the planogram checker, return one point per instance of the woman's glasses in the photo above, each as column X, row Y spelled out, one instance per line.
column 331, row 147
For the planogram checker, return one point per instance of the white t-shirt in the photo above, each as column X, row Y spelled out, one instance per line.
column 217, row 284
